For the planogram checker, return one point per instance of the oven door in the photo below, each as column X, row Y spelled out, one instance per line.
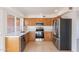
column 39, row 34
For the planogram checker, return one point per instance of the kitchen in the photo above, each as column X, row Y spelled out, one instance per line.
column 37, row 30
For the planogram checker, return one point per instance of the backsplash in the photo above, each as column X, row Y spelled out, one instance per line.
column 33, row 28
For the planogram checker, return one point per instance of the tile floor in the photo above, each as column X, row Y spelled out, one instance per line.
column 40, row 46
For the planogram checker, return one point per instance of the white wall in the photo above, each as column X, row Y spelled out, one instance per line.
column 13, row 11
column 2, row 29
column 76, row 28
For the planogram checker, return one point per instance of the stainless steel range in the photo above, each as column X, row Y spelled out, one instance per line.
column 39, row 32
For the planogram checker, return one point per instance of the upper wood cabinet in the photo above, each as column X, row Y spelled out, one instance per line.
column 26, row 21
column 33, row 21
column 47, row 21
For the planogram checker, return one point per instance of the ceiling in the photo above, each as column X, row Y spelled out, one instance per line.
column 39, row 10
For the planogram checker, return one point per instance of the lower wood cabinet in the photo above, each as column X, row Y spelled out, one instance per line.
column 31, row 36
column 12, row 44
column 47, row 36
column 18, row 43
column 26, row 38
column 15, row 44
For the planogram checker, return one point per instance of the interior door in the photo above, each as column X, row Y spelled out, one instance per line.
column 65, row 34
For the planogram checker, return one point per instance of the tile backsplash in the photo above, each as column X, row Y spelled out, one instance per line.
column 33, row 28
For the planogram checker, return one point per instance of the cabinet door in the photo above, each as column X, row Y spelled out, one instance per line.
column 12, row 44
column 27, row 37
column 32, row 21
column 47, row 36
column 27, row 22
column 31, row 36
column 47, row 21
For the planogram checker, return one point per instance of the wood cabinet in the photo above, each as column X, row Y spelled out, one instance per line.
column 47, row 36
column 33, row 21
column 27, row 21
column 18, row 43
column 15, row 44
column 12, row 44
column 47, row 21
column 31, row 36
column 27, row 38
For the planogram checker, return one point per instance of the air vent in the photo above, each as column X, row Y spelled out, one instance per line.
column 70, row 8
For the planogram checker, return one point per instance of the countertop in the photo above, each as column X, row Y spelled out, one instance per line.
column 30, row 29
column 17, row 34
